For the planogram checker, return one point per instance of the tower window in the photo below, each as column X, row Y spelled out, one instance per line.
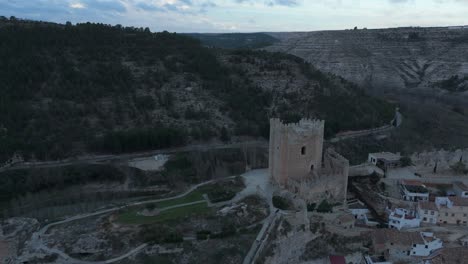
column 303, row 150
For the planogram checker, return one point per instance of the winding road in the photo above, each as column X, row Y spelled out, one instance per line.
column 109, row 158
column 36, row 244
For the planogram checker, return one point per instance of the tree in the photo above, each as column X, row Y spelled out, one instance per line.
column 225, row 135
column 325, row 207
column 406, row 161
column 459, row 168
column 280, row 203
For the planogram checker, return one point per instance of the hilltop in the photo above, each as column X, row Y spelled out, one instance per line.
column 92, row 88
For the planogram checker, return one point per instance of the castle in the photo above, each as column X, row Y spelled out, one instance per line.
column 297, row 161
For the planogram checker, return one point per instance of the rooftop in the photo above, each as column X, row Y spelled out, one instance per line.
column 428, row 206
column 449, row 256
column 395, row 237
column 346, row 218
column 400, row 214
column 416, row 189
column 412, row 183
column 357, row 205
column 459, row 201
column 460, row 185
column 337, row 260
column 386, row 156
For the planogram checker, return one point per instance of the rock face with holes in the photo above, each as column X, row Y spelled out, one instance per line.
column 383, row 58
column 297, row 162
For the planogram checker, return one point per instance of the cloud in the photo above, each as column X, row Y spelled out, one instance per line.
column 77, row 5
column 271, row 3
column 243, row 15
column 283, row 3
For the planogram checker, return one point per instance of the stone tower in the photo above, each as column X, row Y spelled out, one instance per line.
column 295, row 149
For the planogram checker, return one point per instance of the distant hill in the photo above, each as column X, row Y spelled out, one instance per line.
column 235, row 40
column 74, row 89
column 424, row 70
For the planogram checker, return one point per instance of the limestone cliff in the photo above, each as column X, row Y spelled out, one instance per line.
column 384, row 58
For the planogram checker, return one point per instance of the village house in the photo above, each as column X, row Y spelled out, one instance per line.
column 414, row 191
column 358, row 209
column 452, row 210
column 398, row 246
column 464, row 241
column 428, row 212
column 374, row 260
column 385, row 160
column 400, row 218
column 460, row 189
column 448, row 256
column 345, row 221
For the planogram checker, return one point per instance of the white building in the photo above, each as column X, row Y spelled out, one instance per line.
column 431, row 244
column 359, row 210
column 402, row 218
column 398, row 246
column 460, row 189
column 385, row 160
column 413, row 191
column 428, row 212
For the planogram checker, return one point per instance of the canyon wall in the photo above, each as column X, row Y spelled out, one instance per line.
column 383, row 59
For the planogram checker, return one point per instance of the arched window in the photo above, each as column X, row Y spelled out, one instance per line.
column 312, row 167
column 303, row 150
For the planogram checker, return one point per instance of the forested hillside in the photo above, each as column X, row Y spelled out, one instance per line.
column 74, row 89
column 235, row 40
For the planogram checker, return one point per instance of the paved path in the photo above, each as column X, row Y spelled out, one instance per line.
column 396, row 122
column 258, row 182
column 365, row 169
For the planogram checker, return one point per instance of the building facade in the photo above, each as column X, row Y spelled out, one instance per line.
column 428, row 212
column 452, row 210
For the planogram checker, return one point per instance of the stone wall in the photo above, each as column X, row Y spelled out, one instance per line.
column 295, row 161
column 330, row 182
column 295, row 149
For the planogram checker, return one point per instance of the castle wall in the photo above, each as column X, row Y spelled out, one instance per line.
column 295, row 149
column 295, row 161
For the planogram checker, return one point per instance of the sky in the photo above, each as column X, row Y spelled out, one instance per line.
column 210, row 16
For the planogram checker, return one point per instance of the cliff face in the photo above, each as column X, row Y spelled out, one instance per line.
column 385, row 58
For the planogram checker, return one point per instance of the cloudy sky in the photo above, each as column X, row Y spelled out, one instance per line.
column 244, row 15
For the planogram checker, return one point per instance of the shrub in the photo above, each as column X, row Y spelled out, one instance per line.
column 280, row 203
column 203, row 234
column 459, row 167
column 325, row 207
column 311, row 207
column 406, row 161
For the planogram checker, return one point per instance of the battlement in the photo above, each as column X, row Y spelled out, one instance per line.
column 304, row 125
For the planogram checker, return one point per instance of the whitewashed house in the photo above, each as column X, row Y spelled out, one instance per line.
column 429, row 245
column 398, row 246
column 403, row 218
column 385, row 160
column 359, row 210
column 414, row 191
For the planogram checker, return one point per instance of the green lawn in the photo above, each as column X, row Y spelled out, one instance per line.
column 131, row 216
column 196, row 195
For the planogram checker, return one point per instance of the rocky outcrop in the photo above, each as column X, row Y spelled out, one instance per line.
column 383, row 58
